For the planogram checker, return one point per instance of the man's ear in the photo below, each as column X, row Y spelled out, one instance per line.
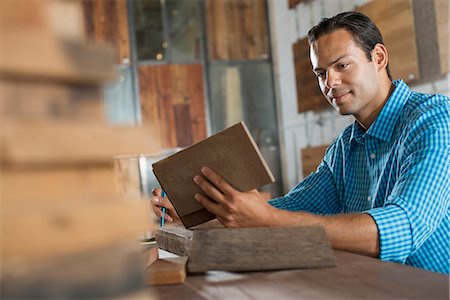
column 380, row 56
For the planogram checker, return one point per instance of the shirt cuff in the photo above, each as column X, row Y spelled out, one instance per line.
column 395, row 232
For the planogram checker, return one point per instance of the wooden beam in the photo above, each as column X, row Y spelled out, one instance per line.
column 29, row 143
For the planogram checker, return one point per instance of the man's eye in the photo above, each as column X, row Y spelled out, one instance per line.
column 342, row 66
column 320, row 75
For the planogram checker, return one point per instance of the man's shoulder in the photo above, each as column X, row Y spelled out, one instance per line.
column 432, row 107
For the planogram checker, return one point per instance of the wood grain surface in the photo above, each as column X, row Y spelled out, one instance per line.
column 237, row 30
column 257, row 249
column 309, row 96
column 107, row 21
column 355, row 277
column 167, row 271
column 172, row 101
column 395, row 19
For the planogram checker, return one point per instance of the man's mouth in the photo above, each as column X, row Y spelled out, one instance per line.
column 338, row 97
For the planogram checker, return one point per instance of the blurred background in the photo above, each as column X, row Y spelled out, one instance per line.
column 85, row 81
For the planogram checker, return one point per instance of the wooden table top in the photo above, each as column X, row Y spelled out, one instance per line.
column 354, row 277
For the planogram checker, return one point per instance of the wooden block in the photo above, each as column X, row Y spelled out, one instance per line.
column 176, row 239
column 309, row 96
column 232, row 153
column 34, row 232
column 31, row 49
column 50, row 100
column 311, row 158
column 47, row 185
column 396, row 23
column 167, row 271
column 103, row 272
column 39, row 142
column 151, row 255
column 257, row 249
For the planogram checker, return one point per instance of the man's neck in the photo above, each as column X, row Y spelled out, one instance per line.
column 387, row 88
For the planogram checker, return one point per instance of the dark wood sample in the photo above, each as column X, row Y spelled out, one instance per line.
column 257, row 249
column 232, row 153
column 172, row 100
column 237, row 30
column 309, row 96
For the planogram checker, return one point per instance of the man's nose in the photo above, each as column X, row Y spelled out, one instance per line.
column 332, row 79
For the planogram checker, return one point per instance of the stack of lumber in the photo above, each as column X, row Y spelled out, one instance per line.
column 65, row 231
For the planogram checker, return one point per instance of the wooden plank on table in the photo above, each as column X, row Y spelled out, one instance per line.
column 164, row 271
column 309, row 96
column 51, row 100
column 395, row 19
column 442, row 8
column 50, row 185
column 311, row 158
column 173, row 95
column 39, row 142
column 257, row 249
column 103, row 272
column 232, row 153
column 33, row 232
column 107, row 21
column 237, row 30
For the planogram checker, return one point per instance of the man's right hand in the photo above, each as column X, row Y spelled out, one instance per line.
column 159, row 202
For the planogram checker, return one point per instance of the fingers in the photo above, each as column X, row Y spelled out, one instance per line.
column 157, row 191
column 160, row 202
column 218, row 181
column 209, row 189
column 211, row 206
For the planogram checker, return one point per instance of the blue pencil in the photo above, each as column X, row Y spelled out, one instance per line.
column 163, row 194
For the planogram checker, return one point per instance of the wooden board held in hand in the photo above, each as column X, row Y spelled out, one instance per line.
column 232, row 153
column 257, row 249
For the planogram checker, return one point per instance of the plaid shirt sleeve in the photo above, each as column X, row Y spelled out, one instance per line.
column 317, row 193
column 420, row 198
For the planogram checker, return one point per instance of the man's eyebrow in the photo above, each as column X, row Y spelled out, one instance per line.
column 331, row 63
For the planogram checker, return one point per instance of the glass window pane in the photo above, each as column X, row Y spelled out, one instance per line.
column 149, row 30
column 119, row 99
column 184, row 30
column 244, row 92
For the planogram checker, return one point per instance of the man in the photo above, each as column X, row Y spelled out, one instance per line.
column 383, row 186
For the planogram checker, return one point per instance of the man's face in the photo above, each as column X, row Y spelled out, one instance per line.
column 347, row 78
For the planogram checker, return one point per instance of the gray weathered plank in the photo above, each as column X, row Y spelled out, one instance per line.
column 256, row 249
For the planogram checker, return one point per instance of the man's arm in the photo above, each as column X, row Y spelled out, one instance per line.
column 357, row 233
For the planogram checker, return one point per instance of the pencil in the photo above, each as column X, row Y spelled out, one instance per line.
column 163, row 194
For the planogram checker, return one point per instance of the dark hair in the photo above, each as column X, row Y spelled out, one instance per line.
column 365, row 33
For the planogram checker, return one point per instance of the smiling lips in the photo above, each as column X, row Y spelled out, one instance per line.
column 337, row 96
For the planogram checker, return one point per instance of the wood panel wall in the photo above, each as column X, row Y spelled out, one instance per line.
column 237, row 29
column 107, row 21
column 395, row 19
column 442, row 19
column 172, row 96
column 311, row 158
column 309, row 96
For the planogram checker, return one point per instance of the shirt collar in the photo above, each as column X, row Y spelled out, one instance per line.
column 384, row 124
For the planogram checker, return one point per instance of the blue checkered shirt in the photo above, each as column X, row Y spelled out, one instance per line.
column 398, row 172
